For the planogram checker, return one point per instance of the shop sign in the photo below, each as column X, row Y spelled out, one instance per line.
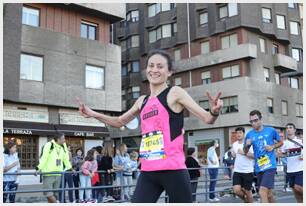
column 17, row 131
column 25, row 115
column 74, row 119
column 84, row 134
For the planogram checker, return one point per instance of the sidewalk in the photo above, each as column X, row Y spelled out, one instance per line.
column 221, row 185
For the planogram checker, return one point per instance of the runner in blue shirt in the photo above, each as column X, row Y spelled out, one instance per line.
column 264, row 140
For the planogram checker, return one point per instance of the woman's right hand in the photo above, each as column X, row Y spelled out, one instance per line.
column 84, row 110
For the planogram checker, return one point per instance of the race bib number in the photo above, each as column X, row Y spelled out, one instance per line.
column 152, row 146
column 294, row 152
column 263, row 162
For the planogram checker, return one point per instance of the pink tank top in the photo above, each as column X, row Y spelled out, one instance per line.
column 162, row 141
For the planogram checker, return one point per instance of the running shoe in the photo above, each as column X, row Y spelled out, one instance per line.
column 92, row 201
column 214, row 200
column 110, row 198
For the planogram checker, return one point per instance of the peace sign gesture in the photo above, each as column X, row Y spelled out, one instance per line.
column 215, row 103
column 84, row 110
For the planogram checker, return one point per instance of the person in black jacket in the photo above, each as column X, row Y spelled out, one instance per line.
column 191, row 162
column 106, row 177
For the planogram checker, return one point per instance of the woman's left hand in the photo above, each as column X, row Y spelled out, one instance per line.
column 215, row 103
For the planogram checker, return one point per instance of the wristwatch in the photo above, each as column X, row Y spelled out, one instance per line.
column 214, row 114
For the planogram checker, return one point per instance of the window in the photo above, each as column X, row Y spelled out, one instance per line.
column 31, row 67
column 132, row 16
column 135, row 92
column 123, row 104
column 152, row 10
column 293, row 82
column 158, row 33
column 203, row 18
column 296, row 54
column 262, row 43
column 299, row 109
column 266, row 15
column 267, row 74
column 178, row 81
column 88, row 30
column 280, row 20
column 30, row 16
column 274, row 49
column 230, row 72
column 27, row 147
column 277, row 78
column 129, row 68
column 270, row 105
column 232, row 9
column 177, row 54
column 123, row 45
column 94, row 77
column 166, row 30
column 284, row 107
column 135, row 41
column 229, row 41
column 205, row 48
column 291, row 5
column 230, row 104
column 135, row 66
column 223, row 12
column 74, row 143
column 123, row 71
column 206, row 79
column 152, row 36
column 294, row 28
column 174, row 28
column 165, row 7
column 205, row 105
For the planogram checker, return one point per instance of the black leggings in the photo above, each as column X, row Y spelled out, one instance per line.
column 150, row 185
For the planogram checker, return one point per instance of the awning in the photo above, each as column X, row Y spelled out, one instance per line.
column 31, row 128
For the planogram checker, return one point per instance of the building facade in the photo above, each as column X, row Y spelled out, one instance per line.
column 250, row 52
column 54, row 53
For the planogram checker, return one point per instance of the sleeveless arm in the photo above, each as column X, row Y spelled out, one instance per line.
column 183, row 98
column 115, row 121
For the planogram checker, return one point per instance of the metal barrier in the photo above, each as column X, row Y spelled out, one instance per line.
column 205, row 175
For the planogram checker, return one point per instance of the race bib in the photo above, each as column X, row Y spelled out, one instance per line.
column 294, row 152
column 263, row 162
column 152, row 146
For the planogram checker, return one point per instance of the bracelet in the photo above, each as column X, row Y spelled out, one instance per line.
column 213, row 114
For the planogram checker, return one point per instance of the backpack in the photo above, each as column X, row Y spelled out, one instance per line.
column 51, row 148
column 228, row 158
column 42, row 149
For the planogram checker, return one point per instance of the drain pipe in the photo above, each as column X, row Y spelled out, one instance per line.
column 189, row 45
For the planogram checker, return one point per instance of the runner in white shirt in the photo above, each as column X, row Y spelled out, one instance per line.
column 243, row 168
column 293, row 149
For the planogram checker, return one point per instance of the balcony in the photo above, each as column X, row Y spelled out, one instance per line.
column 241, row 51
column 284, row 63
